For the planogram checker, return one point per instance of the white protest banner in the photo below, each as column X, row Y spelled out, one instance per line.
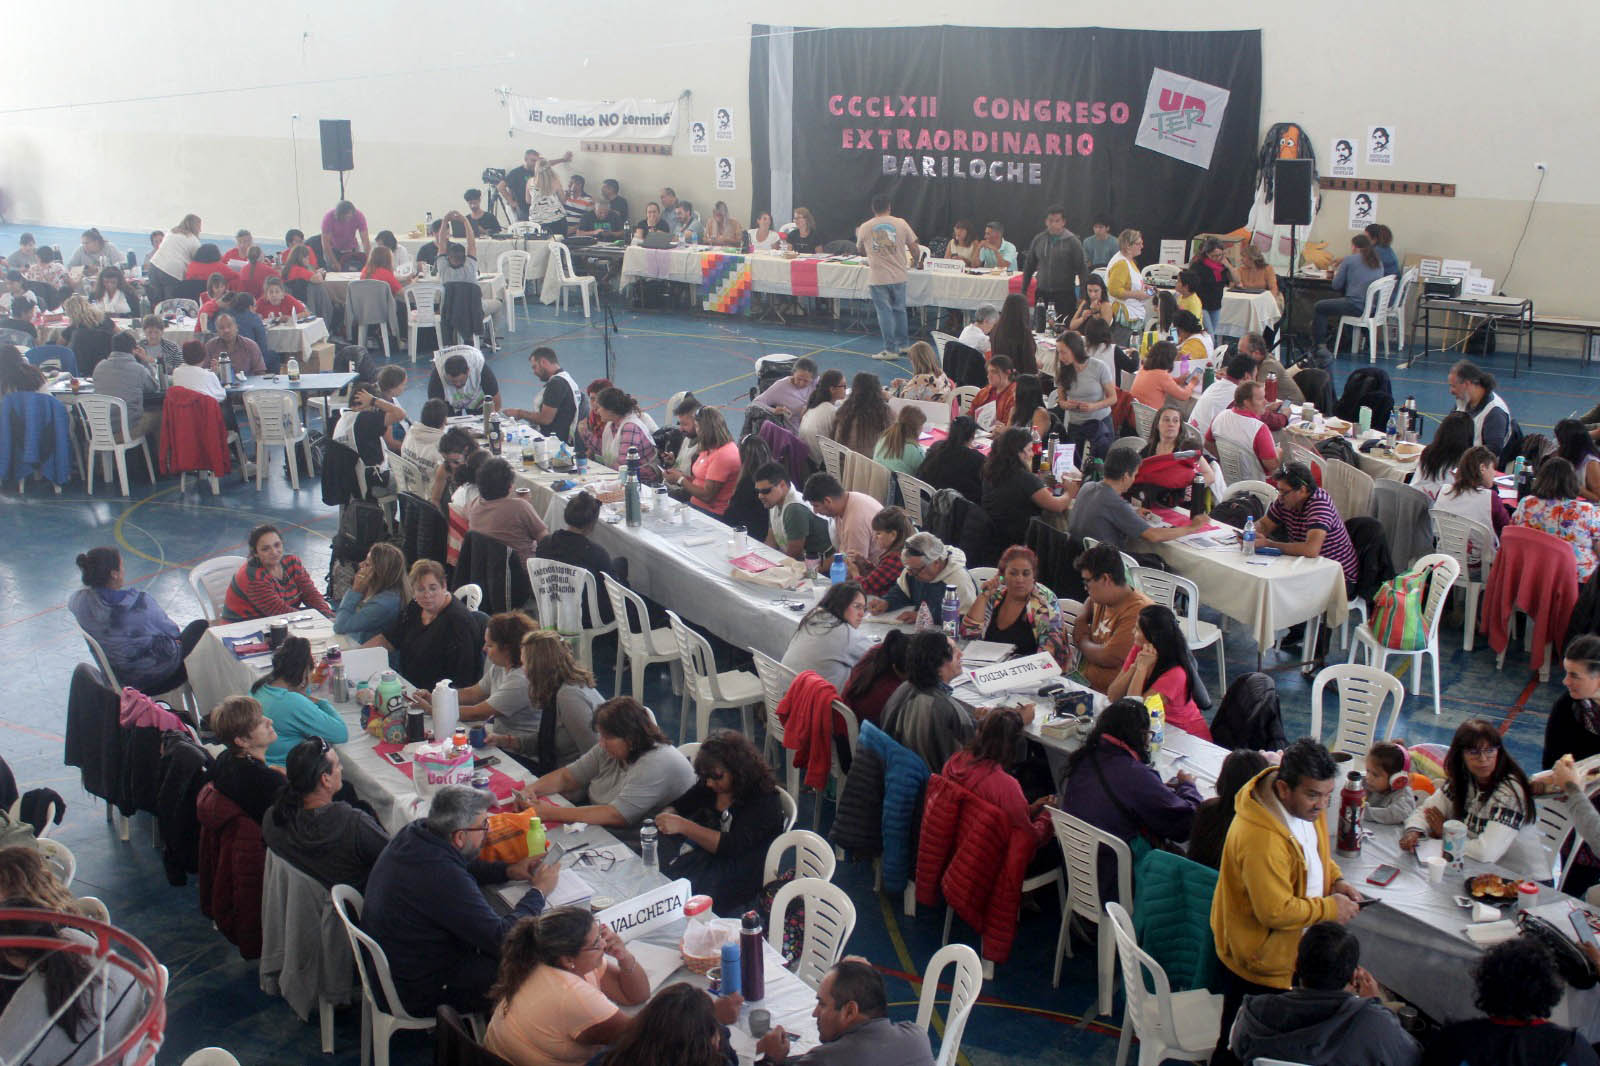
column 1030, row 671
column 1342, row 159
column 658, row 907
column 622, row 120
column 1380, row 146
column 1363, row 209
column 1181, row 117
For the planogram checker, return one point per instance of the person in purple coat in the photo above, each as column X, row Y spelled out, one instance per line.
column 1111, row 785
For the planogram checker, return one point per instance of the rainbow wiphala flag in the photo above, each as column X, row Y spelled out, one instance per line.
column 725, row 283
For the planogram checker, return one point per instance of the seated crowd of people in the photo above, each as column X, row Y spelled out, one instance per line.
column 560, row 987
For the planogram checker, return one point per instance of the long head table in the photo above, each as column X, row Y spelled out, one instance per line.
column 215, row 672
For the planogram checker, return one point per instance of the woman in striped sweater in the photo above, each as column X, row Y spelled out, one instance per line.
column 270, row 582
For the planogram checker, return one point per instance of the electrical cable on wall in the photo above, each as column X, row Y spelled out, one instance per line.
column 1531, row 205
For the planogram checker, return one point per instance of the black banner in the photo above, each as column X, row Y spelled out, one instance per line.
column 975, row 123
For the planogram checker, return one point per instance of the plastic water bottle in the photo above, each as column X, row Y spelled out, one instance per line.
column 950, row 612
column 1392, row 434
column 838, row 573
column 293, row 369
column 647, row 845
column 1158, row 724
column 1247, row 537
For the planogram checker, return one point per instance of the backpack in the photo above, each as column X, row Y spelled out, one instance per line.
column 1396, row 619
column 1235, row 509
column 362, row 524
column 1338, row 448
column 316, row 444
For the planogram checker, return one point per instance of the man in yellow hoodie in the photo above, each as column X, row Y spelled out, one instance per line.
column 1276, row 880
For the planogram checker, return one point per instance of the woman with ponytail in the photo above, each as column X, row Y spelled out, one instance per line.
column 328, row 838
column 562, row 979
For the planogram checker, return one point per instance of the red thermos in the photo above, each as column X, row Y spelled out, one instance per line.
column 1351, row 797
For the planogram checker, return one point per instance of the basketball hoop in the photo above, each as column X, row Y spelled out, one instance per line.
column 105, row 947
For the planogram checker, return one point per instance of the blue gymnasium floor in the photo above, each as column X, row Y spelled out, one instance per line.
column 215, row 998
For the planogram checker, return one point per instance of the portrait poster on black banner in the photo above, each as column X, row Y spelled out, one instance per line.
column 1050, row 117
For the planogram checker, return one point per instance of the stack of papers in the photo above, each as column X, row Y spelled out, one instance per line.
column 570, row 891
column 986, row 651
column 1211, row 541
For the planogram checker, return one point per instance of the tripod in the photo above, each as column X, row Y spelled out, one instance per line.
column 608, row 320
column 496, row 201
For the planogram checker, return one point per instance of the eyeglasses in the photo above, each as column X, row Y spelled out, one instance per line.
column 598, row 860
column 598, row 945
column 322, row 745
column 1481, row 753
column 763, row 491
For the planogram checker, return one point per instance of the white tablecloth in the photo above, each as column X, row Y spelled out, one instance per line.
column 1265, row 594
column 544, row 269
column 1246, row 312
column 293, row 340
column 770, row 272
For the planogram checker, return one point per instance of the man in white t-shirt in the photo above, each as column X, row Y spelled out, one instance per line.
column 890, row 247
column 1242, row 424
column 1219, row 397
column 976, row 333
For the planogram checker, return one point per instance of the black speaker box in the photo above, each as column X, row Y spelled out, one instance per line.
column 1291, row 191
column 336, row 150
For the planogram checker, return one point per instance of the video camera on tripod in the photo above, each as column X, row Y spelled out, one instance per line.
column 492, row 175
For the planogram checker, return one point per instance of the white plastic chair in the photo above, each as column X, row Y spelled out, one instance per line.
column 571, row 279
column 963, row 397
column 105, row 418
column 211, row 1056
column 813, row 856
column 553, row 582
column 1238, row 464
column 1460, row 538
column 422, row 312
column 60, row 859
column 830, row 919
column 1183, row 1026
column 179, row 306
column 1555, row 829
column 775, row 681
column 1445, row 572
column 791, row 809
column 1263, row 490
column 965, row 984
column 1144, row 416
column 1374, row 319
column 1350, row 488
column 939, row 341
column 275, row 423
column 1299, row 453
column 514, row 266
column 1163, row 588
column 210, row 581
column 470, row 595
column 690, row 750
column 377, row 1024
column 1362, row 693
column 915, row 495
column 93, row 907
column 708, row 689
column 370, row 302
column 642, row 646
column 1080, row 850
column 1394, row 316
column 980, row 574
column 408, row 476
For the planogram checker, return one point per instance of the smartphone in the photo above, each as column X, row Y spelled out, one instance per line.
column 395, row 757
column 1580, row 923
column 1383, row 875
column 554, row 852
column 486, row 760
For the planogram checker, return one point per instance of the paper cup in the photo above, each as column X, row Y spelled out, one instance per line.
column 1435, row 865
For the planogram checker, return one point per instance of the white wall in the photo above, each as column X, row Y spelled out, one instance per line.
column 1475, row 92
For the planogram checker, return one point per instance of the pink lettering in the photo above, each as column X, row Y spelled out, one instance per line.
column 1119, row 112
column 902, row 139
column 1052, row 144
column 836, row 105
column 1085, row 144
column 979, row 107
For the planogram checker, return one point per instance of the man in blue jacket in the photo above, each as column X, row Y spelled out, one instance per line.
column 424, row 906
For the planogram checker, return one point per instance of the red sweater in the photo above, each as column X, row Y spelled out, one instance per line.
column 198, row 271
column 255, row 593
column 253, row 276
column 282, row 307
column 300, row 273
column 383, row 274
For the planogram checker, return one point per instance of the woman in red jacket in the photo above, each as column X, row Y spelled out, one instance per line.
column 981, row 766
column 380, row 267
column 270, row 582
